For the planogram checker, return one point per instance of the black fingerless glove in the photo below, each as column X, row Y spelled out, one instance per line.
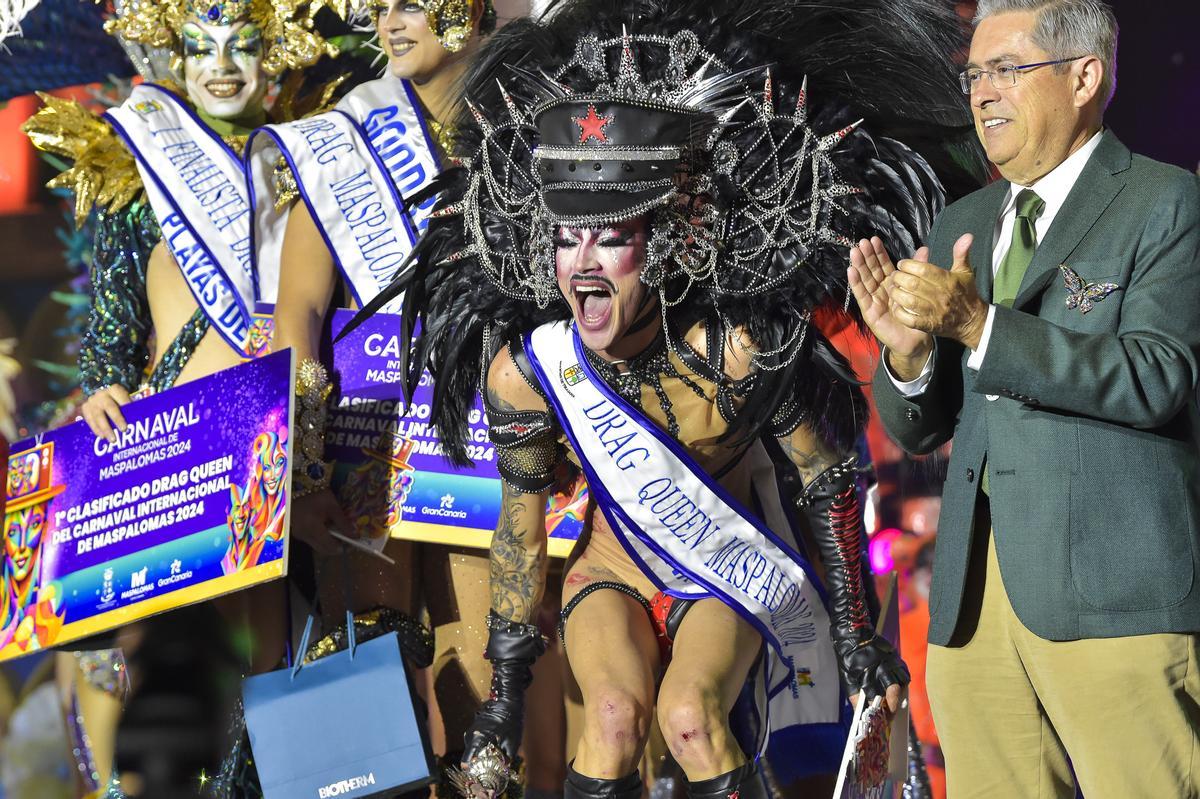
column 512, row 649
column 830, row 505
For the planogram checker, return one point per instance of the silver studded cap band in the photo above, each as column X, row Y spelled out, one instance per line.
column 562, row 153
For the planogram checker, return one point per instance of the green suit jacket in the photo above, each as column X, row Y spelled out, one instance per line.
column 1090, row 436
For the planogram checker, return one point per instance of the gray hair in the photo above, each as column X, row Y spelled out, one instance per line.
column 1069, row 28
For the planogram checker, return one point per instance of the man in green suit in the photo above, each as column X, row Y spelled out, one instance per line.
column 1060, row 352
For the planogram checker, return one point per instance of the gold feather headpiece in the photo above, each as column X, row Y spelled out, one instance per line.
column 291, row 41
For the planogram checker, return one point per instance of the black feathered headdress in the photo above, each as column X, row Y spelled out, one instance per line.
column 736, row 126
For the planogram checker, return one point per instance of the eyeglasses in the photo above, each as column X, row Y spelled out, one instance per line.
column 1004, row 76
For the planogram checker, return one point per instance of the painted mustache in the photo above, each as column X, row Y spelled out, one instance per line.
column 593, row 280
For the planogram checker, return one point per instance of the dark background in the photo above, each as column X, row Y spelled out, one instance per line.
column 1156, row 110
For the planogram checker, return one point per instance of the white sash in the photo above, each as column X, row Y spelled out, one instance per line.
column 197, row 190
column 353, row 166
column 689, row 535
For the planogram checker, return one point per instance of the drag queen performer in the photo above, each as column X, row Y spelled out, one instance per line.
column 343, row 242
column 171, row 278
column 657, row 214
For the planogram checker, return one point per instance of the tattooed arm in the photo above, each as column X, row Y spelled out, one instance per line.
column 527, row 458
column 518, row 555
column 527, row 454
column 808, row 453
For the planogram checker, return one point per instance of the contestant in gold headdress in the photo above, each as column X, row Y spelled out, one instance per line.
column 153, row 324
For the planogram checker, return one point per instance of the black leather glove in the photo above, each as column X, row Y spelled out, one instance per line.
column 512, row 649
column 830, row 505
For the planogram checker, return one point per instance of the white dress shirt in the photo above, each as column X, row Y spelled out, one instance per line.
column 1053, row 188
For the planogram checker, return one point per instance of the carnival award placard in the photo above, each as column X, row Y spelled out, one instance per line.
column 189, row 502
column 390, row 473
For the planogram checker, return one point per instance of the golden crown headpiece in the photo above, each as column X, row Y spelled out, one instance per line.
column 290, row 40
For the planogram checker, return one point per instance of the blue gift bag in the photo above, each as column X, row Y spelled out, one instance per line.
column 342, row 726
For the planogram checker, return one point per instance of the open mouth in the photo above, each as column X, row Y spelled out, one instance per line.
column 593, row 298
column 993, row 124
column 401, row 46
column 224, row 89
column 20, row 561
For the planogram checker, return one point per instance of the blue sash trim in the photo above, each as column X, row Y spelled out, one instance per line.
column 312, row 210
column 393, row 189
column 131, row 145
column 609, row 505
column 430, row 143
column 365, row 145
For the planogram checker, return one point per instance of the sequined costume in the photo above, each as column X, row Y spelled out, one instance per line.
column 115, row 346
column 114, row 349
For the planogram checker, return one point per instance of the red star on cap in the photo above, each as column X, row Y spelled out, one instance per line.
column 592, row 126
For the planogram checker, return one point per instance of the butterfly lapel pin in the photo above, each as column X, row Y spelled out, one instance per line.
column 1080, row 293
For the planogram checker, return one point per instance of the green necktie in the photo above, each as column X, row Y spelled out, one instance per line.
column 1012, row 268
column 1020, row 250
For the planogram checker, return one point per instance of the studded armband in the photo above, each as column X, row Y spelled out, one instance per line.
column 528, row 453
column 787, row 418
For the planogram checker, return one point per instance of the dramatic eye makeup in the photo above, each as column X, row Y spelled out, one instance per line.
column 248, row 41
column 196, row 43
column 615, row 237
column 564, row 239
column 609, row 237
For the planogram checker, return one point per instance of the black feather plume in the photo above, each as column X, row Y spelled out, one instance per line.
column 886, row 61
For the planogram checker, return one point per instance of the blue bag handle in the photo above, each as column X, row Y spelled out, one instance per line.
column 351, row 635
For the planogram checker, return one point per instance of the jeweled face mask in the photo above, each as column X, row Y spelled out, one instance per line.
column 223, row 66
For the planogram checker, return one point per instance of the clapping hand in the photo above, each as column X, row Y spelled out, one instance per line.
column 906, row 304
column 872, row 276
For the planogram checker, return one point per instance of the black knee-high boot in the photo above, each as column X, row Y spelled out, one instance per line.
column 578, row 786
column 744, row 782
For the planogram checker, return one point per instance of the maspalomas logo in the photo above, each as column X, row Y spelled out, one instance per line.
column 343, row 787
column 573, row 375
column 570, row 376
